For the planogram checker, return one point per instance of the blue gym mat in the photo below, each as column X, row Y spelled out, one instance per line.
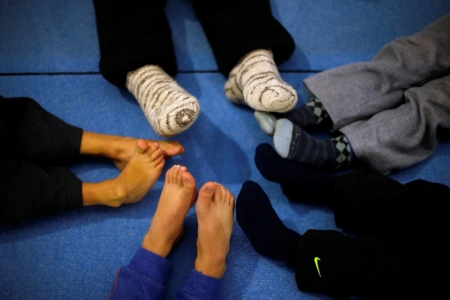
column 49, row 52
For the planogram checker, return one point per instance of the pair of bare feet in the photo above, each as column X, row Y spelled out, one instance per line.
column 215, row 214
column 141, row 163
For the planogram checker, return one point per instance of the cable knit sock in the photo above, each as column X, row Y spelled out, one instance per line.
column 308, row 116
column 259, row 221
column 255, row 81
column 167, row 106
column 291, row 142
column 299, row 183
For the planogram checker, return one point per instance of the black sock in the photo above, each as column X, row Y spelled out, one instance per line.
column 259, row 221
column 299, row 183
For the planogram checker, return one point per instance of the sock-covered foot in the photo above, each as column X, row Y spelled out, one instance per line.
column 167, row 106
column 259, row 221
column 310, row 115
column 291, row 174
column 291, row 142
column 266, row 121
column 255, row 80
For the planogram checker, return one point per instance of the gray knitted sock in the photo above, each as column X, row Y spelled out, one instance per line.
column 167, row 106
column 255, row 81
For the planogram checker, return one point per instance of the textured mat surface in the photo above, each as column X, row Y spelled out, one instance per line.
column 49, row 52
column 60, row 36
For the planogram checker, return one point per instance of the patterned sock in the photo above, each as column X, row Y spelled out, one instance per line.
column 167, row 106
column 310, row 115
column 259, row 221
column 255, row 81
column 293, row 143
column 302, row 183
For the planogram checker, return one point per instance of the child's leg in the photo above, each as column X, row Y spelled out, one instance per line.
column 177, row 197
column 358, row 91
column 248, row 43
column 167, row 106
column 127, row 34
column 255, row 81
column 400, row 137
column 311, row 115
column 259, row 221
column 29, row 132
column 120, row 149
column 28, row 190
column 298, row 182
column 133, row 183
column 292, row 143
column 215, row 214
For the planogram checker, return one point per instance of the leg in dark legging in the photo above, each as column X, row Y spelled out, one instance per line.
column 27, row 131
column 128, row 32
column 248, row 43
column 137, row 53
column 370, row 202
column 28, row 190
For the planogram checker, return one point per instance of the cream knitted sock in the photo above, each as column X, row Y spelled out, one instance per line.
column 255, row 81
column 167, row 106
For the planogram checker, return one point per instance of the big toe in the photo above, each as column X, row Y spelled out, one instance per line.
column 206, row 194
column 141, row 146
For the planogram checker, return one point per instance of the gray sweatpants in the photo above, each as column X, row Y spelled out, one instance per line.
column 390, row 108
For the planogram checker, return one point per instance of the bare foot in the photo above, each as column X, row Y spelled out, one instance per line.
column 133, row 183
column 124, row 151
column 120, row 149
column 177, row 197
column 215, row 213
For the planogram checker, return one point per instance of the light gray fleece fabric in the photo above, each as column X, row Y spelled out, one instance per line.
column 390, row 108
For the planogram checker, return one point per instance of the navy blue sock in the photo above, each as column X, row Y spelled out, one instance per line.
column 308, row 116
column 299, row 182
column 291, row 142
column 259, row 221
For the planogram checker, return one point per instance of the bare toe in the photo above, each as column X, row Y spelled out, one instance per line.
column 166, row 229
column 141, row 146
column 215, row 214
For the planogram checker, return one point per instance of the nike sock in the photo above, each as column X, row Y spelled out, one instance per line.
column 293, row 143
column 259, row 221
column 308, row 116
column 168, row 107
column 298, row 182
column 255, row 81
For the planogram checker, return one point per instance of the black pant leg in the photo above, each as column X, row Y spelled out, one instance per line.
column 28, row 190
column 236, row 27
column 132, row 34
column 27, row 131
column 368, row 202
column 402, row 250
column 370, row 267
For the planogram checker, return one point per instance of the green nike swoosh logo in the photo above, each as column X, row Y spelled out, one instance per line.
column 316, row 261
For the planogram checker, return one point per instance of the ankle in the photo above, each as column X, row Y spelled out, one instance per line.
column 101, row 193
column 157, row 245
column 214, row 267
